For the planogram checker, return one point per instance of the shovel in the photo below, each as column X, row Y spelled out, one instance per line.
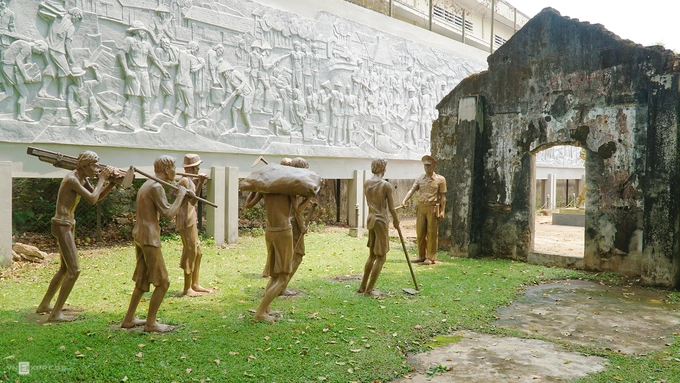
column 403, row 246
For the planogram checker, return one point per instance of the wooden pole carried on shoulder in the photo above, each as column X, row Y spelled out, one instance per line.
column 133, row 170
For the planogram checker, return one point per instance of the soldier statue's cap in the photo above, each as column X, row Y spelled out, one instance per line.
column 326, row 84
column 266, row 45
column 427, row 159
column 338, row 83
column 137, row 26
column 191, row 160
column 162, row 8
column 256, row 44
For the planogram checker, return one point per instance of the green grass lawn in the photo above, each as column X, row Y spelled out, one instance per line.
column 329, row 333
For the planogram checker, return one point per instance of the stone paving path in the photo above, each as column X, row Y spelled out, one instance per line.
column 629, row 320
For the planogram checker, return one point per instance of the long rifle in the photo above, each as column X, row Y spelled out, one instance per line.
column 133, row 169
column 67, row 162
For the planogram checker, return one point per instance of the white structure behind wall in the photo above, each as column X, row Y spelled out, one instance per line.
column 558, row 163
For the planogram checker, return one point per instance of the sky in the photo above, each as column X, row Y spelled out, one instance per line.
column 647, row 22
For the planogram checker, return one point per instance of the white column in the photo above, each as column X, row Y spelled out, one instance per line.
column 216, row 193
column 231, row 216
column 355, row 204
column 551, row 191
column 5, row 213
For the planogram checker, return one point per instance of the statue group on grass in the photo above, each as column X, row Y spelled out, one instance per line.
column 288, row 190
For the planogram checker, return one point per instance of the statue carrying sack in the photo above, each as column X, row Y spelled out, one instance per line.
column 278, row 179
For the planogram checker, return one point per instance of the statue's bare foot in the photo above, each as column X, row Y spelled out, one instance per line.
column 288, row 293
column 192, row 293
column 264, row 318
column 48, row 309
column 133, row 323
column 265, row 275
column 201, row 289
column 45, row 309
column 158, row 327
column 59, row 317
column 374, row 293
column 361, row 290
column 273, row 312
column 417, row 260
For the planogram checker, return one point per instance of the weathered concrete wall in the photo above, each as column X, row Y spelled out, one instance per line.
column 562, row 82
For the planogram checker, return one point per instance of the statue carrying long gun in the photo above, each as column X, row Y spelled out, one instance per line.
column 118, row 176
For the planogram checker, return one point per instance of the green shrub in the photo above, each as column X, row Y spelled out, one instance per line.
column 257, row 231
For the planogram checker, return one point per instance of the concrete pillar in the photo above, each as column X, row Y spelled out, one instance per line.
column 355, row 204
column 551, row 192
column 5, row 213
column 223, row 190
column 231, row 203
column 216, row 193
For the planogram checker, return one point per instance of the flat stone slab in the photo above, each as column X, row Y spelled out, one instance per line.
column 629, row 320
column 483, row 358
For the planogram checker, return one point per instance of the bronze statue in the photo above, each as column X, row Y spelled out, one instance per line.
column 279, row 186
column 299, row 227
column 431, row 207
column 186, row 222
column 74, row 186
column 285, row 162
column 279, row 241
column 150, row 269
column 379, row 196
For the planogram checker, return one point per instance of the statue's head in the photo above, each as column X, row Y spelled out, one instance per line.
column 39, row 47
column 378, row 166
column 76, row 14
column 164, row 164
column 193, row 47
column 87, row 158
column 299, row 162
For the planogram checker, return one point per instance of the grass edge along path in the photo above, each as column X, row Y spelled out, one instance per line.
column 328, row 333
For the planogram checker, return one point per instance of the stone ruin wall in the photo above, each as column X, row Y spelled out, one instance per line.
column 326, row 87
column 562, row 82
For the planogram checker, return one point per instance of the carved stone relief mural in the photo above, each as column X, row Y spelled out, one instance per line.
column 560, row 156
column 218, row 75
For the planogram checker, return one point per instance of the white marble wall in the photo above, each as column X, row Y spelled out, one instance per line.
column 220, row 76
